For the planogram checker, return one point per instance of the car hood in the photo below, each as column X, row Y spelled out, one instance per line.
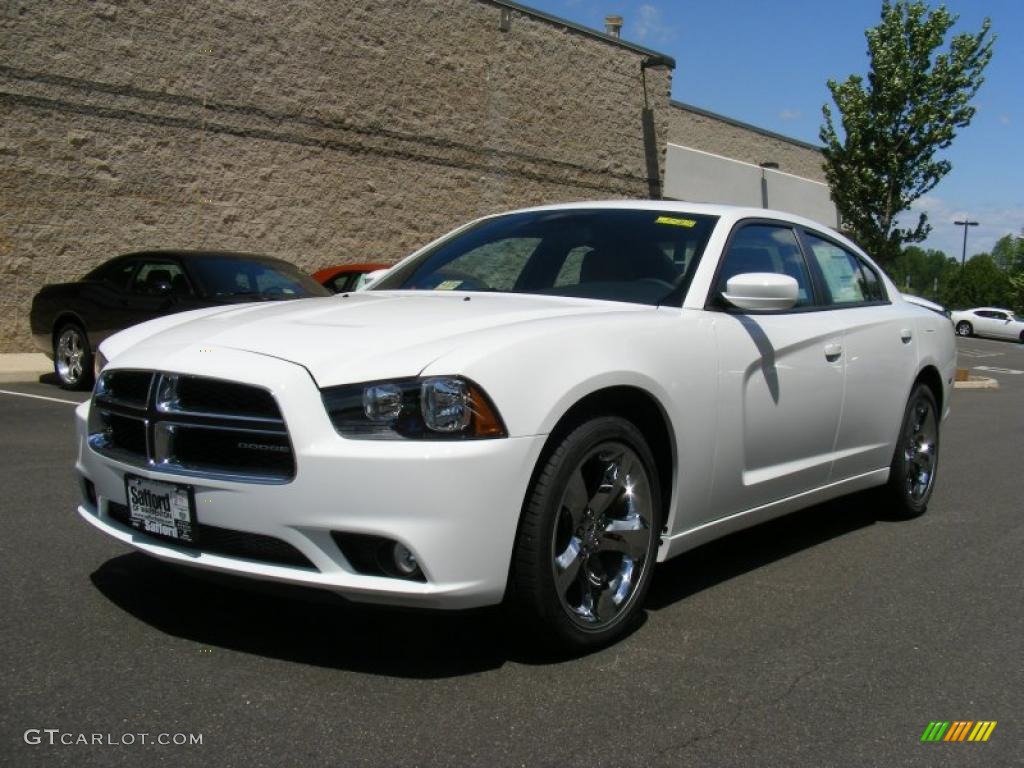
column 361, row 336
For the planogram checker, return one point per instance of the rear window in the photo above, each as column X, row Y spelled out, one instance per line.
column 638, row 256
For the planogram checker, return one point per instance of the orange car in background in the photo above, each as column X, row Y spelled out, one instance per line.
column 346, row 277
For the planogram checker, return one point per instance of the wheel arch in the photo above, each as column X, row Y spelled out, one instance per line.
column 643, row 410
column 929, row 375
column 64, row 317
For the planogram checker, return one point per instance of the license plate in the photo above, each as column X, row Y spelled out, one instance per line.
column 162, row 509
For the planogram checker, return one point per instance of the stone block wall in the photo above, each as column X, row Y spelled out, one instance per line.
column 319, row 132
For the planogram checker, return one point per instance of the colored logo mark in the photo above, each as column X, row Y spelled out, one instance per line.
column 958, row 730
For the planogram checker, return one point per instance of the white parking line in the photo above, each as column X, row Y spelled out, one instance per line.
column 978, row 353
column 38, row 397
column 991, row 369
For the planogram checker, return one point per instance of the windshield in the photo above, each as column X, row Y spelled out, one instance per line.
column 638, row 256
column 223, row 276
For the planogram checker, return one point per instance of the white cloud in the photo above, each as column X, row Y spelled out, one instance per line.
column 790, row 114
column 1004, row 119
column 993, row 223
column 649, row 25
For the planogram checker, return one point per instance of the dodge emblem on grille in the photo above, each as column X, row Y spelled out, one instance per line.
column 264, row 447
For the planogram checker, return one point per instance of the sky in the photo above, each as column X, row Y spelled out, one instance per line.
column 767, row 62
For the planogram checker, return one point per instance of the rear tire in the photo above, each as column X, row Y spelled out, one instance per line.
column 588, row 536
column 72, row 357
column 915, row 461
column 964, row 328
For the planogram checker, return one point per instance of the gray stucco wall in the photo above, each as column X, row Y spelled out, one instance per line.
column 722, row 136
column 318, row 132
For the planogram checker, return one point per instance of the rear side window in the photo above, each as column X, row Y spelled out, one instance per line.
column 766, row 248
column 848, row 280
column 115, row 273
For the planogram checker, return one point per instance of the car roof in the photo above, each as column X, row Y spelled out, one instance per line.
column 189, row 254
column 727, row 211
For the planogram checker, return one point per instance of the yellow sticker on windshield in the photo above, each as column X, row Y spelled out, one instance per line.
column 448, row 285
column 675, row 222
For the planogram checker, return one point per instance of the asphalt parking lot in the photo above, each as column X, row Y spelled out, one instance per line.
column 830, row 637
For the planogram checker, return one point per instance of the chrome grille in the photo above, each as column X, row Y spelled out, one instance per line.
column 190, row 425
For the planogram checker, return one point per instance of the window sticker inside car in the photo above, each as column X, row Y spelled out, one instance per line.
column 448, row 285
column 675, row 222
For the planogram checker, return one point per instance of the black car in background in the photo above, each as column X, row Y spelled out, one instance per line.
column 69, row 320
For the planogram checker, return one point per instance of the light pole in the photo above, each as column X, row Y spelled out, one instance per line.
column 965, row 224
column 771, row 165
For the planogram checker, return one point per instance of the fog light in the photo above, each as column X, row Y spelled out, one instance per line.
column 405, row 561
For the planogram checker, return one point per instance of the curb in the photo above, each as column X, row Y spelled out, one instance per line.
column 977, row 382
column 24, row 367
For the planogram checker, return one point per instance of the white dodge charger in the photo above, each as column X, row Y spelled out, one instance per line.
column 534, row 408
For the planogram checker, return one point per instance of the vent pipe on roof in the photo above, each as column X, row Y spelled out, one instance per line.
column 613, row 26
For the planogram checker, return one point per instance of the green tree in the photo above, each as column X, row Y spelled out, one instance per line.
column 915, row 98
column 979, row 283
column 919, row 271
column 1009, row 253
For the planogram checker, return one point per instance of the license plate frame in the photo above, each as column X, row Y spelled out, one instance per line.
column 167, row 511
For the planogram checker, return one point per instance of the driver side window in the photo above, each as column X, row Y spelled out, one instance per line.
column 766, row 248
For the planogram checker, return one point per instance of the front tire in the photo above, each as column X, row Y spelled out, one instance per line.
column 915, row 461
column 963, row 328
column 72, row 357
column 587, row 540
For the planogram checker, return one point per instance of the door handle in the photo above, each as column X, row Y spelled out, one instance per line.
column 833, row 350
column 906, row 335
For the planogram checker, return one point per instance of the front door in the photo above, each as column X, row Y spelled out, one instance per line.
column 780, row 377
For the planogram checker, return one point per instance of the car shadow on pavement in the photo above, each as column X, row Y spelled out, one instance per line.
column 318, row 628
column 734, row 555
column 307, row 626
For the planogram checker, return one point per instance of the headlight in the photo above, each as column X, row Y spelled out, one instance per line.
column 436, row 407
column 98, row 364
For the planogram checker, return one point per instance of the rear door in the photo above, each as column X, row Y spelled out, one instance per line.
column 879, row 351
column 1002, row 326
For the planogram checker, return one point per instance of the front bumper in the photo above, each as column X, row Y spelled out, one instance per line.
column 454, row 504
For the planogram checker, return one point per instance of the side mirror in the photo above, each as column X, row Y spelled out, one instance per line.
column 762, row 290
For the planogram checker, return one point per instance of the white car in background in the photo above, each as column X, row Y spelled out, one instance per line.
column 989, row 321
column 535, row 408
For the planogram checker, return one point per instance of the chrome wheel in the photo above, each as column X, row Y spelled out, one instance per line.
column 602, row 537
column 963, row 328
column 920, row 449
column 71, row 355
